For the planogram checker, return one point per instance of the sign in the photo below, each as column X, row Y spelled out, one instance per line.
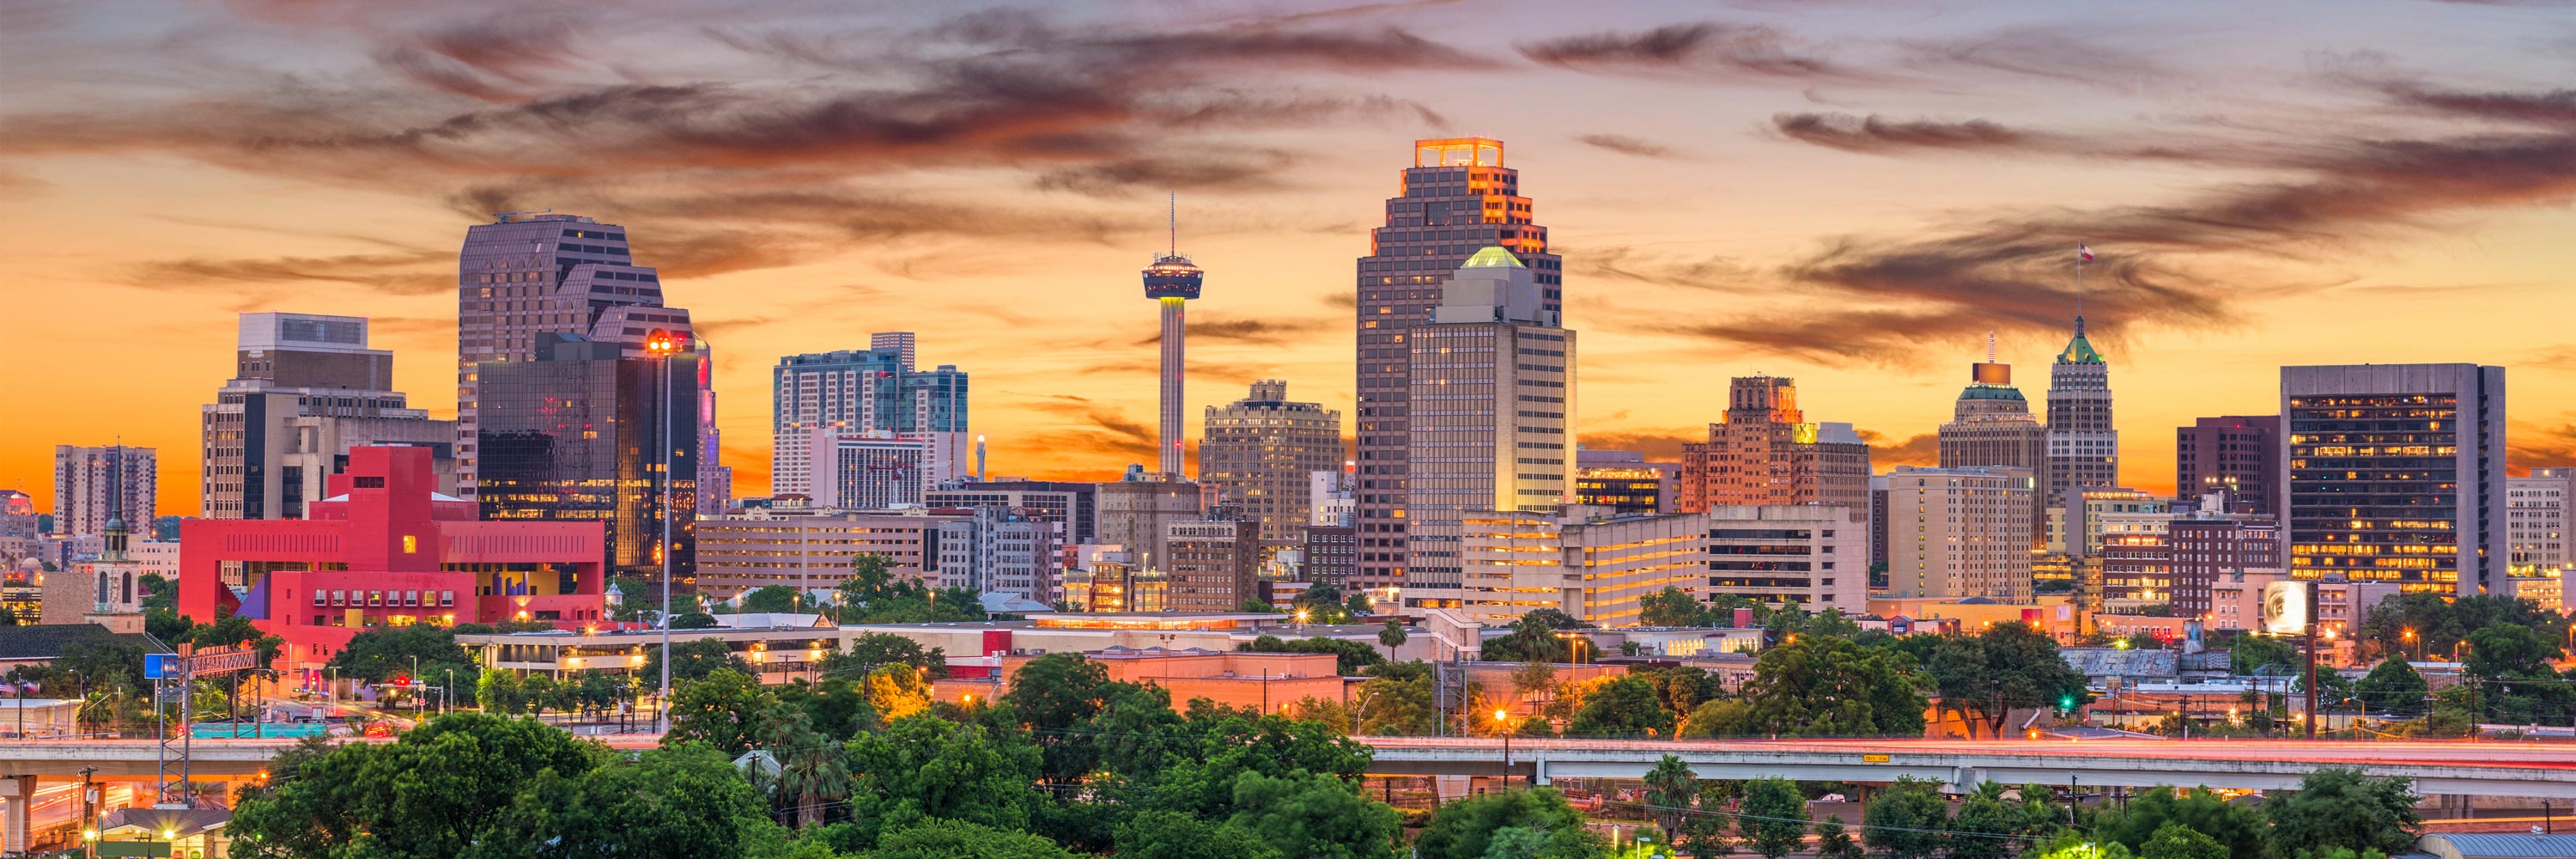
column 1873, row 758
column 212, row 660
column 2285, row 608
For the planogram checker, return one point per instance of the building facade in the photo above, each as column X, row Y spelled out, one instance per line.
column 1624, row 481
column 1332, row 555
column 1959, row 532
column 571, row 436
column 994, row 552
column 1991, row 426
column 1262, row 451
column 2206, row 547
column 2536, row 517
column 872, row 470
column 1076, row 506
column 2083, row 443
column 528, row 275
column 2396, row 473
column 1457, row 199
column 1765, row 453
column 95, row 484
column 1488, row 416
column 753, row 550
column 305, row 389
column 863, row 393
column 1211, row 565
column 1594, row 570
column 1811, row 557
column 387, row 550
column 1137, row 512
column 2239, row 455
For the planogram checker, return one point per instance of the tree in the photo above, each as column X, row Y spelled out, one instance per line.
column 1465, row 829
column 2176, row 841
column 2342, row 807
column 685, row 801
column 1351, row 657
column 1670, row 786
column 1624, row 707
column 1906, row 820
column 433, row 791
column 877, row 649
column 1774, row 818
column 811, row 770
column 2440, row 623
column 231, row 630
column 1396, row 700
column 690, row 660
column 1051, row 695
column 1173, row 835
column 500, row 692
column 1314, row 816
column 1392, row 635
column 773, row 598
column 1670, row 607
column 2008, row 666
column 2240, row 830
column 1833, row 842
column 925, row 768
column 1820, row 687
column 1521, row 842
column 1539, row 636
column 693, row 620
column 1681, row 690
column 724, row 710
column 897, row 691
column 961, row 839
column 1985, row 826
column 379, row 654
column 1705, row 834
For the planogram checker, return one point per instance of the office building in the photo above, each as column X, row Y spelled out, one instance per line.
column 2083, row 444
column 1991, row 426
column 2082, row 518
column 528, row 275
column 1811, row 557
column 1765, row 453
column 991, row 551
column 2207, row 546
column 1593, row 569
column 1107, row 578
column 572, row 436
column 865, row 392
column 305, row 389
column 863, row 470
column 1623, row 481
column 1332, row 555
column 1138, row 510
column 1261, row 453
column 715, row 479
column 2536, row 517
column 1489, row 416
column 1329, row 497
column 1959, row 532
column 1076, row 506
column 2239, row 455
column 2137, row 574
column 2395, row 473
column 387, row 550
column 95, row 484
column 1456, row 199
column 811, row 549
column 1211, row 566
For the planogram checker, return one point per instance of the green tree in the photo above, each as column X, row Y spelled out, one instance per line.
column 1670, row 607
column 1543, row 635
column 2007, row 666
column 230, row 630
column 773, row 598
column 1396, row 700
column 926, row 767
column 684, row 801
column 1906, row 820
column 1173, row 835
column 963, row 839
column 1820, row 687
column 1314, row 815
column 1392, row 635
column 2241, row 830
column 1774, row 818
column 1052, row 695
column 897, row 690
column 1833, row 841
column 2440, row 622
column 1670, row 786
column 723, row 710
column 2342, row 807
column 1352, row 657
column 693, row 620
column 811, row 770
column 1681, row 690
column 1465, row 829
column 1521, row 842
column 1624, row 707
column 1985, row 826
column 2176, row 841
column 500, row 692
column 1705, row 834
column 873, row 650
column 690, row 660
column 433, row 791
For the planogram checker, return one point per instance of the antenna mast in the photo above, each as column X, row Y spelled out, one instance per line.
column 1990, row 345
column 1172, row 215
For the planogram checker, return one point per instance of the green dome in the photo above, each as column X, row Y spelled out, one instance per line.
column 1493, row 257
column 2079, row 350
column 1991, row 392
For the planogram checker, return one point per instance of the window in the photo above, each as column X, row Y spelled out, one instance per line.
column 446, row 598
column 375, row 598
column 318, row 595
column 339, row 597
column 411, row 598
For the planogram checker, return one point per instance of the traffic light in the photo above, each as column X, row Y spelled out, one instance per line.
column 402, row 681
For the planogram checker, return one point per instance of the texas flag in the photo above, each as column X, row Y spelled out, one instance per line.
column 2082, row 253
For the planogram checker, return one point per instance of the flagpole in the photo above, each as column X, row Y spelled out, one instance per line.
column 2079, row 280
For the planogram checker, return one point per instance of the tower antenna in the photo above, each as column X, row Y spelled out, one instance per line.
column 1172, row 216
column 1990, row 345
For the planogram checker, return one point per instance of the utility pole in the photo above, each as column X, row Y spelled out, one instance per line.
column 2312, row 656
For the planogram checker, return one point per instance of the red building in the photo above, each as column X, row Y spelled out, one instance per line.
column 385, row 549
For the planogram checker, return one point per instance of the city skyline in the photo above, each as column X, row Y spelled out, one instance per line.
column 1871, row 196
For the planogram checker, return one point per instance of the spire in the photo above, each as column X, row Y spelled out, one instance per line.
column 1172, row 217
column 1990, row 340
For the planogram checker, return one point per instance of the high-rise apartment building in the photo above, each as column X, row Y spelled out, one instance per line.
column 1765, row 453
column 852, row 470
column 862, row 393
column 1991, row 426
column 1959, row 532
column 1136, row 512
column 1489, row 416
column 95, row 484
column 995, row 552
column 1262, row 451
column 1211, row 565
column 1332, row 555
column 1812, row 557
column 528, row 275
column 2537, row 525
column 305, row 389
column 2239, row 455
column 2083, row 445
column 1076, row 506
column 2395, row 473
column 1593, row 569
column 1457, row 199
column 578, row 435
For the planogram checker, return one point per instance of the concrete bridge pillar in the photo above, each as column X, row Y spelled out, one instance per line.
column 17, row 798
column 1451, row 788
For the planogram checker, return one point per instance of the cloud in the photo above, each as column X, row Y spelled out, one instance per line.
column 1088, row 426
column 1710, row 273
column 409, row 273
column 1873, row 134
column 2530, row 446
column 1707, row 50
column 2056, row 53
column 2555, row 107
column 1262, row 331
column 1657, row 445
column 1920, row 449
column 1625, row 145
column 496, row 59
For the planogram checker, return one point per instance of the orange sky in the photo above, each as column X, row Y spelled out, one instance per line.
column 1849, row 194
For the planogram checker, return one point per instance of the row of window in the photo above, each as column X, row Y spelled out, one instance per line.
column 396, row 599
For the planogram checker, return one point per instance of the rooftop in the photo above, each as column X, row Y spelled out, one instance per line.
column 1492, row 257
column 46, row 641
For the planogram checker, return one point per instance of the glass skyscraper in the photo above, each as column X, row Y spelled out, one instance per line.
column 579, row 434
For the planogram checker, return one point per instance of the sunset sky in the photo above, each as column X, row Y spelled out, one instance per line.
column 1849, row 193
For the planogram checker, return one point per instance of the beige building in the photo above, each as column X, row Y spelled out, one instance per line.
column 1766, row 453
column 1211, row 565
column 1809, row 556
column 758, row 549
column 1991, row 425
column 1491, row 394
column 1592, row 569
column 2536, row 521
column 1262, row 451
column 1138, row 511
column 1959, row 532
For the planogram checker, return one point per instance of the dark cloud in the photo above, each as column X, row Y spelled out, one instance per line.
column 1089, row 427
column 2555, row 107
column 1919, row 449
column 1261, row 331
column 715, row 329
column 1711, row 273
column 1706, row 50
column 2530, row 446
column 414, row 273
column 1657, row 445
column 1625, row 145
column 1874, row 134
column 499, row 59
column 2068, row 54
column 1126, row 178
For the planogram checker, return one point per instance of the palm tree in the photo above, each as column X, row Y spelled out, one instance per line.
column 810, row 768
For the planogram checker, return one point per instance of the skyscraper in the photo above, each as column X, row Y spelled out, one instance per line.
column 1959, row 532
column 2238, row 455
column 1457, row 198
column 95, row 484
column 1765, row 453
column 2083, row 447
column 2537, row 522
column 1172, row 281
column 1262, row 451
column 1991, row 425
column 305, row 389
column 577, row 435
column 864, row 392
column 1490, row 391
column 531, row 274
column 2395, row 473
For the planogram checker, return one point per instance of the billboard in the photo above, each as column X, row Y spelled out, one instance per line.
column 2285, row 608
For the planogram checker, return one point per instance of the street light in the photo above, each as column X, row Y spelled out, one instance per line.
column 1502, row 724
column 661, row 345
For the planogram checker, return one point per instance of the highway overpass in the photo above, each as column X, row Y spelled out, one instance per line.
column 2439, row 768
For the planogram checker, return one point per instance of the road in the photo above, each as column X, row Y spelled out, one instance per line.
column 2318, row 752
